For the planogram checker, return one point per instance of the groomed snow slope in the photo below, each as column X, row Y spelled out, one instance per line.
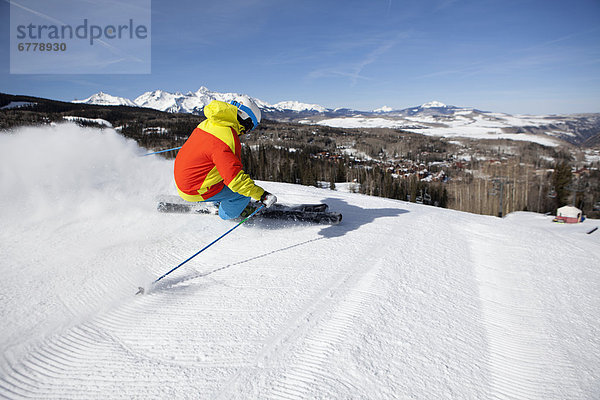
column 398, row 301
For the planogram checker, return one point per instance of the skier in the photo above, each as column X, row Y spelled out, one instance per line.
column 208, row 167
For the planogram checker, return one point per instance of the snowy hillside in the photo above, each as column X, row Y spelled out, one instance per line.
column 464, row 123
column 437, row 119
column 398, row 301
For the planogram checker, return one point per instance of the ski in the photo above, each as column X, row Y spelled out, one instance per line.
column 180, row 208
column 319, row 217
column 175, row 204
column 322, row 207
column 315, row 213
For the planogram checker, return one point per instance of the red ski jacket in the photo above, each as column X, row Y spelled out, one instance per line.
column 210, row 158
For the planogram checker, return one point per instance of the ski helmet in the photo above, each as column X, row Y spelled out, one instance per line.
column 248, row 112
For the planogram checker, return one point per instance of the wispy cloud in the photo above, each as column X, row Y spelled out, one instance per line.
column 503, row 66
column 534, row 57
column 561, row 39
column 34, row 12
column 444, row 4
column 359, row 59
column 371, row 58
column 115, row 51
column 329, row 72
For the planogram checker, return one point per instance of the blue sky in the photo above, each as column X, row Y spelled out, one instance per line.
column 526, row 56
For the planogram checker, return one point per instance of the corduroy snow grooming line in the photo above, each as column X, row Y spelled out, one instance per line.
column 142, row 290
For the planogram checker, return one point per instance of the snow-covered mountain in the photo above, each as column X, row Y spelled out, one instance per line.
column 437, row 119
column 298, row 107
column 194, row 102
column 432, row 118
column 434, row 104
column 191, row 102
column 398, row 301
column 383, row 109
column 104, row 99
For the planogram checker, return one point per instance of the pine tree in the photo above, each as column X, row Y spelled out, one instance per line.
column 561, row 178
column 332, row 180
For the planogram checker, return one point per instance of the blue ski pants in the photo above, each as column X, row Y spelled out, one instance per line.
column 231, row 203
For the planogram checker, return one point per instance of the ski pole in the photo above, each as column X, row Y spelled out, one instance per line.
column 162, row 151
column 141, row 289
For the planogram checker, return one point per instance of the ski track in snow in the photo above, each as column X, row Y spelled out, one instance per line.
column 398, row 301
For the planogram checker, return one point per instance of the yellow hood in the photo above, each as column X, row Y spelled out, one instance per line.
column 222, row 114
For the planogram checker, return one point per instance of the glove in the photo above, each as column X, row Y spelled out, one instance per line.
column 268, row 199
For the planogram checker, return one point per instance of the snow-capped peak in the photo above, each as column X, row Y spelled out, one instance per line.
column 191, row 102
column 159, row 100
column 105, row 99
column 383, row 109
column 433, row 104
column 297, row 106
column 203, row 90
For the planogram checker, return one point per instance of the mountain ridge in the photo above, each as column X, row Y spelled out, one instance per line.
column 432, row 118
column 193, row 102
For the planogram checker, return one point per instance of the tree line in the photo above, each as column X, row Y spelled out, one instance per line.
column 525, row 176
column 303, row 166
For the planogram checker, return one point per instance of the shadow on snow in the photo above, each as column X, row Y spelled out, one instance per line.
column 353, row 218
